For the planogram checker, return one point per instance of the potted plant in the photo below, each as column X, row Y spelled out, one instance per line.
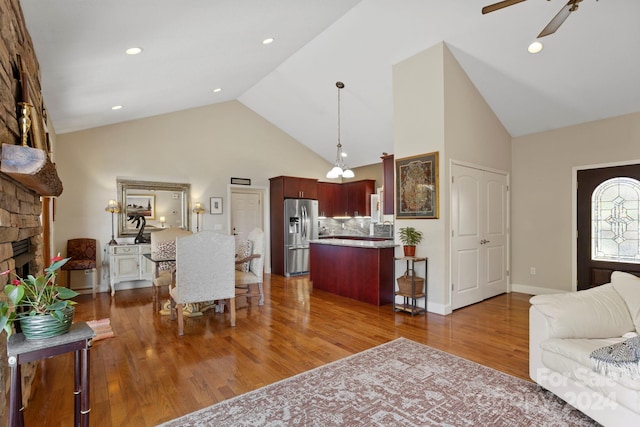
column 42, row 308
column 410, row 237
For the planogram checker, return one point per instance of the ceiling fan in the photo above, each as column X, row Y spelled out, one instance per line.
column 552, row 26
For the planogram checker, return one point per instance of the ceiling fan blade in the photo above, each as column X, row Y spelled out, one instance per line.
column 500, row 5
column 557, row 20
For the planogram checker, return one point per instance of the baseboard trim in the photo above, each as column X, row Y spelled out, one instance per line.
column 534, row 290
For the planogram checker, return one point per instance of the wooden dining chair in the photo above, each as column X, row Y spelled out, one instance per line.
column 163, row 246
column 250, row 266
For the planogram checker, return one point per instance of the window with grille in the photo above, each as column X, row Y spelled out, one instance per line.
column 615, row 215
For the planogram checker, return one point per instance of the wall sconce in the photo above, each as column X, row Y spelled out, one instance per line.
column 163, row 220
column 198, row 209
column 112, row 207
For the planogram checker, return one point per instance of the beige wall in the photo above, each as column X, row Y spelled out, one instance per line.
column 437, row 108
column 202, row 146
column 542, row 202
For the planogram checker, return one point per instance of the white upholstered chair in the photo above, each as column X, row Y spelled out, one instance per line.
column 204, row 272
column 253, row 263
column 163, row 246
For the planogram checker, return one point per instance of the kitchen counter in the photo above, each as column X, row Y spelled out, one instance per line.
column 358, row 269
column 355, row 242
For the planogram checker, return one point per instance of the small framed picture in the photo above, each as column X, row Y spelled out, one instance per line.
column 216, row 206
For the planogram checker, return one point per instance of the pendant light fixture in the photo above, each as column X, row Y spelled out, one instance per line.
column 339, row 168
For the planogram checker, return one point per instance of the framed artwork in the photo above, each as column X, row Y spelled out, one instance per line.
column 141, row 204
column 216, row 206
column 417, row 187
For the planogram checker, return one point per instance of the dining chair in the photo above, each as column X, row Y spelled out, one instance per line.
column 163, row 246
column 250, row 265
column 204, row 272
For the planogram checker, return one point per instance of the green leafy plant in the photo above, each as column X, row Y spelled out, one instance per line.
column 33, row 296
column 409, row 236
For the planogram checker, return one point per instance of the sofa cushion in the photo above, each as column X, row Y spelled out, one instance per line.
column 628, row 286
column 594, row 313
column 570, row 358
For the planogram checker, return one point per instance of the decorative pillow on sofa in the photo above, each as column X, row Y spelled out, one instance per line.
column 165, row 250
column 594, row 313
column 244, row 249
column 628, row 286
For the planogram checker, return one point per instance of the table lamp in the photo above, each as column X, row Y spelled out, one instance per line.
column 112, row 207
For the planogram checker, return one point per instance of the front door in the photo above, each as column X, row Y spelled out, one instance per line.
column 479, row 242
column 608, row 208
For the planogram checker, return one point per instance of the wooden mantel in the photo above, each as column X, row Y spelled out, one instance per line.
column 32, row 168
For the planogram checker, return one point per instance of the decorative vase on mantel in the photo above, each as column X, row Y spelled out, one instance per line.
column 43, row 326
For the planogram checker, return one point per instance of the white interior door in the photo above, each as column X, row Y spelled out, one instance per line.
column 479, row 235
column 246, row 211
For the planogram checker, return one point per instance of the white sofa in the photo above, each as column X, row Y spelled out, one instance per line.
column 563, row 331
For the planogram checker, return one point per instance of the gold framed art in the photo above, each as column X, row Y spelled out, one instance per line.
column 417, row 193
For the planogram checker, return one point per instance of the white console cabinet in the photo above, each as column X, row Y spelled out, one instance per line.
column 128, row 263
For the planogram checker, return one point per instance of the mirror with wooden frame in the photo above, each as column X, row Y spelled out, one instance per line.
column 161, row 204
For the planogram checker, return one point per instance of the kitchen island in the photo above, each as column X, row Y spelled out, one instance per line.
column 358, row 269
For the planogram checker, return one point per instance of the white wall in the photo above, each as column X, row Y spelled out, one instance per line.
column 543, row 194
column 437, row 108
column 203, row 146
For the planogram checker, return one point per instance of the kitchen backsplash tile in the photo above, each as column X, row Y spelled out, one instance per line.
column 354, row 227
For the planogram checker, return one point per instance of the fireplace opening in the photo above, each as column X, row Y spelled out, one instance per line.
column 22, row 256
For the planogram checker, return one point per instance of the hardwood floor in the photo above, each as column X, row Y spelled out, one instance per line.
column 146, row 374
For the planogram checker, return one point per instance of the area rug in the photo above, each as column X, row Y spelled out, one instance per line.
column 400, row 383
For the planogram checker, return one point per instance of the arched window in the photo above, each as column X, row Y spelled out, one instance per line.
column 615, row 216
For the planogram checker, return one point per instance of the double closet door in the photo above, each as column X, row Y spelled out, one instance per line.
column 479, row 235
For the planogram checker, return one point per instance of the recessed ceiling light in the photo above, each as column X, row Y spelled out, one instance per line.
column 216, row 90
column 133, row 50
column 116, row 107
column 268, row 40
column 535, row 47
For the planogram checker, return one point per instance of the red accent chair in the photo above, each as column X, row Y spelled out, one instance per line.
column 83, row 257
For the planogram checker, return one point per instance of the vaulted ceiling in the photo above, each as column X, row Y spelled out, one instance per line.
column 588, row 69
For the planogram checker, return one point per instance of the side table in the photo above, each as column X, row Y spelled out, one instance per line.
column 20, row 350
column 410, row 299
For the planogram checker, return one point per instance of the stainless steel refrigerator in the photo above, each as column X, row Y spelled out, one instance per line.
column 300, row 226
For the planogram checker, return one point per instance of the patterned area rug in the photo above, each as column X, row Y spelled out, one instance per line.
column 400, row 383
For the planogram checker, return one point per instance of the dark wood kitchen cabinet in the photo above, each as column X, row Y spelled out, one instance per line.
column 346, row 199
column 388, row 170
column 296, row 188
column 329, row 199
column 358, row 197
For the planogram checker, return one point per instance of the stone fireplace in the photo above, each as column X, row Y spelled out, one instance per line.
column 20, row 210
column 26, row 174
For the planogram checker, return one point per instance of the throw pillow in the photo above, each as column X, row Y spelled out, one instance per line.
column 628, row 286
column 594, row 313
column 243, row 250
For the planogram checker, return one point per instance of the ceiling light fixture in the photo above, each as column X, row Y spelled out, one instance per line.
column 116, row 107
column 133, row 50
column 218, row 89
column 535, row 47
column 340, row 169
column 268, row 40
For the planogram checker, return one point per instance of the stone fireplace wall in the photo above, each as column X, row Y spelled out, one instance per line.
column 20, row 208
